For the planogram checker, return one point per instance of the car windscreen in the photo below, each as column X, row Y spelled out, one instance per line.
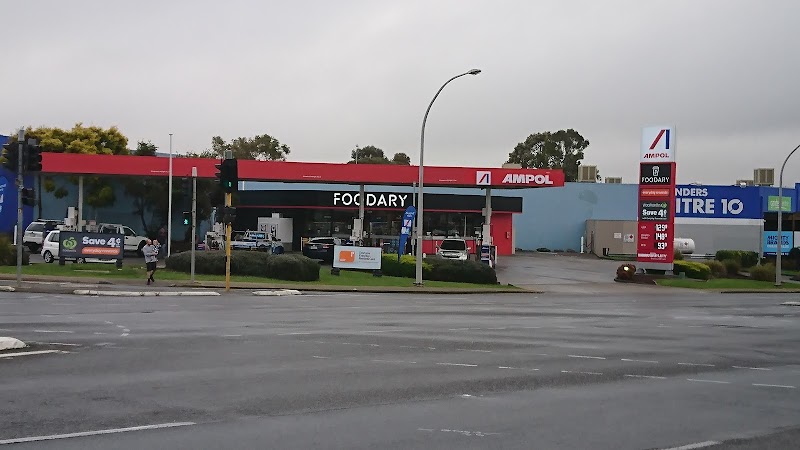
column 454, row 245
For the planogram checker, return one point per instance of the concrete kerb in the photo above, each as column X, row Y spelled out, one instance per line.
column 277, row 293
column 7, row 289
column 97, row 293
column 10, row 343
column 790, row 303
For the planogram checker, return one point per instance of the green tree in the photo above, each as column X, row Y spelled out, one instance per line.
column 261, row 147
column 374, row 155
column 562, row 149
column 98, row 191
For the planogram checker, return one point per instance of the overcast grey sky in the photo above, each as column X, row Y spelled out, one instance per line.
column 325, row 76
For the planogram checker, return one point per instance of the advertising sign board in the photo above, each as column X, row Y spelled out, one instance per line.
column 351, row 257
column 770, row 242
column 718, row 202
column 655, row 246
column 90, row 245
column 772, row 203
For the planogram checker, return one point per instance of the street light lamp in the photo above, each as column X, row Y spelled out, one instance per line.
column 780, row 220
column 418, row 280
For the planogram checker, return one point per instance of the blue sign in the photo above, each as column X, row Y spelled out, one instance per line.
column 732, row 202
column 771, row 242
column 405, row 229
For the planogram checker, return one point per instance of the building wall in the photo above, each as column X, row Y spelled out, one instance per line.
column 616, row 237
column 710, row 235
column 555, row 218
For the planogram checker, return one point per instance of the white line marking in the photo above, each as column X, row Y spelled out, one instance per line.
column 125, row 330
column 584, row 356
column 393, row 361
column 37, row 352
column 751, row 368
column 120, row 326
column 94, row 433
column 60, row 343
column 291, row 334
column 774, row 385
column 457, row 329
column 457, row 364
column 471, row 350
column 694, row 446
column 109, row 323
column 709, row 381
column 98, row 334
column 408, row 346
column 52, row 331
column 531, row 328
column 431, row 348
column 124, row 335
column 646, row 376
column 231, row 335
column 695, row 364
column 321, row 357
column 640, row 360
column 425, row 429
column 585, row 373
column 498, row 328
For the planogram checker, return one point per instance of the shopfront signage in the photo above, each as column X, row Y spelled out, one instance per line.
column 770, row 242
column 527, row 178
column 351, row 257
column 772, row 203
column 732, row 202
column 655, row 246
column 90, row 245
column 377, row 199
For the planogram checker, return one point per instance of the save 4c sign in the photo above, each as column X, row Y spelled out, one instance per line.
column 656, row 198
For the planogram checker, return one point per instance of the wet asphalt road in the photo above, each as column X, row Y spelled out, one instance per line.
column 649, row 370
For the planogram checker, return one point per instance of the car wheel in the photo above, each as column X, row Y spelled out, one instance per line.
column 48, row 257
column 139, row 250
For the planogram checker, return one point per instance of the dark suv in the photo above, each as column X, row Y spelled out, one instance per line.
column 321, row 248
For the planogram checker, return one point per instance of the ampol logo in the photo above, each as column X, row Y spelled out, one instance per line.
column 658, row 144
column 483, row 178
column 527, row 178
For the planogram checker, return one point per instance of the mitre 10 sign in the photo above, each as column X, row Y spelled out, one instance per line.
column 655, row 230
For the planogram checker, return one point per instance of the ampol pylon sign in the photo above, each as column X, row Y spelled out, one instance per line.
column 656, row 225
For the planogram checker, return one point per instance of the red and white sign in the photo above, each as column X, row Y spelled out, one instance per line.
column 541, row 179
column 658, row 144
column 656, row 227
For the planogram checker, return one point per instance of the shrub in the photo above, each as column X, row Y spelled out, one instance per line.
column 406, row 267
column 292, row 267
column 678, row 255
column 732, row 267
column 543, row 249
column 461, row 271
column 718, row 270
column 794, row 255
column 696, row 270
column 763, row 273
column 744, row 257
column 8, row 253
column 626, row 272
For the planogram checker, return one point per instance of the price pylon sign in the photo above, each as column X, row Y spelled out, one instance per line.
column 656, row 225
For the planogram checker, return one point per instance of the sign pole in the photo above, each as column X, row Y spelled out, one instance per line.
column 228, row 230
column 194, row 218
column 20, row 186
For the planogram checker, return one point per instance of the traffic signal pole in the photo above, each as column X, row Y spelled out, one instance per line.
column 20, row 186
column 194, row 217
column 228, row 227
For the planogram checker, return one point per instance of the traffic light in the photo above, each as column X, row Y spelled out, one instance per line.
column 229, row 215
column 10, row 156
column 33, row 157
column 187, row 218
column 28, row 196
column 228, row 174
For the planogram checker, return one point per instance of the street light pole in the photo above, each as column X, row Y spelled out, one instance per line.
column 169, row 207
column 780, row 220
column 420, row 234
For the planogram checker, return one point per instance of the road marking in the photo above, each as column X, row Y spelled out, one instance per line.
column 37, row 352
column 393, row 361
column 751, row 368
column 124, row 335
column 321, row 357
column 640, row 360
column 646, row 376
column 98, row 334
column 109, row 323
column 695, row 364
column 231, row 335
column 531, row 328
column 584, row 373
column 52, row 331
column 120, row 326
column 59, row 343
column 498, row 328
column 471, row 350
column 694, row 446
column 126, row 330
column 94, row 433
column 292, row 334
column 774, row 385
column 457, row 364
column 708, row 381
column 586, row 357
column 457, row 329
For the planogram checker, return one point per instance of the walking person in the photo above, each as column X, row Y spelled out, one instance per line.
column 150, row 259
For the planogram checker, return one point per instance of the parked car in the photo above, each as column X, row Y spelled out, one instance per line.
column 452, row 248
column 321, row 248
column 133, row 242
column 50, row 247
column 36, row 232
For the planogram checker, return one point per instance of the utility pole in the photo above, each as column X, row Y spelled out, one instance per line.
column 228, row 229
column 20, row 186
column 194, row 217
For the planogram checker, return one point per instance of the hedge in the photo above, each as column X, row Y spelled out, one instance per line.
column 744, row 257
column 692, row 269
column 763, row 273
column 248, row 263
column 8, row 253
column 732, row 267
column 439, row 269
column 718, row 269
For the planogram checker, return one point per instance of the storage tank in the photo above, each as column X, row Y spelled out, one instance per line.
column 684, row 245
